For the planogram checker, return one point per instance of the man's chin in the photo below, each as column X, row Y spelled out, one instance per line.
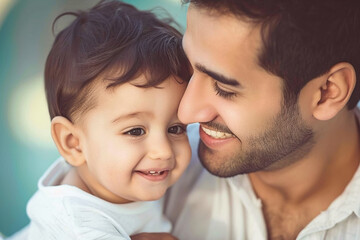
column 228, row 164
column 216, row 164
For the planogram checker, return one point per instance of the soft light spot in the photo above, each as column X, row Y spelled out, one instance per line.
column 5, row 7
column 28, row 115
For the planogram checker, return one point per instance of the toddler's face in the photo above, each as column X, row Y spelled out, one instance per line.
column 134, row 144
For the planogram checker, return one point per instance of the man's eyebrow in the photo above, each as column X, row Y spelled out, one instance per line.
column 218, row 77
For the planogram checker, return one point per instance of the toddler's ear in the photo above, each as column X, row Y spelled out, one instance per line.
column 67, row 140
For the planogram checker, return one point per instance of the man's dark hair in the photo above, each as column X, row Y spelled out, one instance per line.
column 116, row 42
column 302, row 39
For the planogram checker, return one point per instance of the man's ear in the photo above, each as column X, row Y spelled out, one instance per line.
column 67, row 140
column 334, row 91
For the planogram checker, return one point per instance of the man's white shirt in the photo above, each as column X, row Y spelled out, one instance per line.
column 202, row 206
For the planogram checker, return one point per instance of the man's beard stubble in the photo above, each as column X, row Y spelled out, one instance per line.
column 286, row 141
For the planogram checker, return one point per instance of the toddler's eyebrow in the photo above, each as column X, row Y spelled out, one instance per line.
column 130, row 115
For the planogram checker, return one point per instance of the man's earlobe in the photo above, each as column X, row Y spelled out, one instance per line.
column 67, row 140
column 335, row 91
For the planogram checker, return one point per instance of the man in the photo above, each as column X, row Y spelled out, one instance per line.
column 274, row 90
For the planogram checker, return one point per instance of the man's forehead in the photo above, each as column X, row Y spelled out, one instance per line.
column 205, row 10
column 213, row 20
column 218, row 12
column 223, row 45
column 224, row 32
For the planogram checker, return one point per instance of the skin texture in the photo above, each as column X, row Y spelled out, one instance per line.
column 266, row 134
column 129, row 131
column 300, row 155
column 157, row 236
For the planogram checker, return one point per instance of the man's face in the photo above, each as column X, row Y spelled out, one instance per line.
column 246, row 125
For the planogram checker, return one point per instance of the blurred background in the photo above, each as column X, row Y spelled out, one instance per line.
column 26, row 147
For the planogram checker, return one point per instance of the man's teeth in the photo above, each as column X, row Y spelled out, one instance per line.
column 217, row 134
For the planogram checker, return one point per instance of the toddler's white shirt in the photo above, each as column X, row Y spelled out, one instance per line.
column 66, row 212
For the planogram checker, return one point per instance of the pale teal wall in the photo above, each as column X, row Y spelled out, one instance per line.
column 26, row 148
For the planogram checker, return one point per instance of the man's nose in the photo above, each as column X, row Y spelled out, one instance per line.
column 196, row 105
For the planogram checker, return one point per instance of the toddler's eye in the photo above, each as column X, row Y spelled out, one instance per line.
column 136, row 132
column 178, row 129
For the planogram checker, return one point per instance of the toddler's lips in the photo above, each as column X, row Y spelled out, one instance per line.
column 153, row 175
column 153, row 172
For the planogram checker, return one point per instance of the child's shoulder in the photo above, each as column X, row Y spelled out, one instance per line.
column 64, row 210
column 54, row 174
column 53, row 200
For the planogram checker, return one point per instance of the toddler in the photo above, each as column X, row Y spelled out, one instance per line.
column 114, row 79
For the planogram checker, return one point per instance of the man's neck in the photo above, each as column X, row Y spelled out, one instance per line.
column 296, row 194
column 331, row 164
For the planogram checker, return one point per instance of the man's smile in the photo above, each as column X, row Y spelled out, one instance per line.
column 216, row 134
